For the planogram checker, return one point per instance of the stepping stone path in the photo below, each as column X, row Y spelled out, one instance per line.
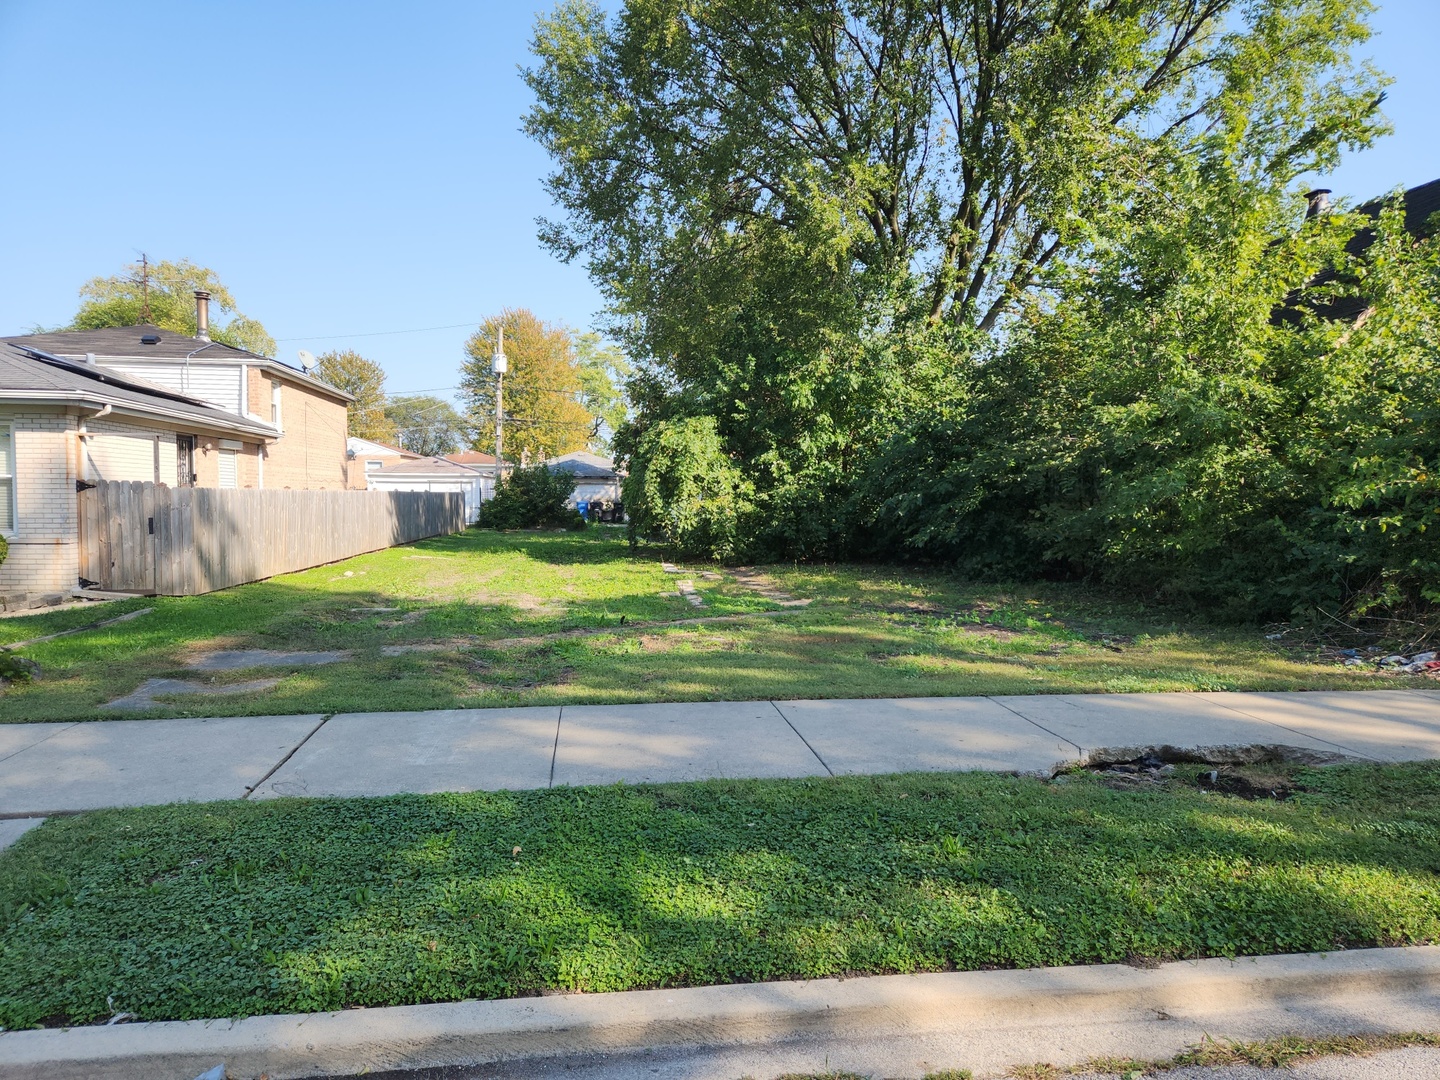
column 755, row 582
column 143, row 696
column 745, row 575
column 239, row 659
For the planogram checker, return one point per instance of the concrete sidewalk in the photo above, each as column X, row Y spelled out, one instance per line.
column 51, row 768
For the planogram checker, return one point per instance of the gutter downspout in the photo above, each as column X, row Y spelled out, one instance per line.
column 185, row 378
column 83, row 434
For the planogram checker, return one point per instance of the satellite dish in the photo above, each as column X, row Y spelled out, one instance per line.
column 307, row 360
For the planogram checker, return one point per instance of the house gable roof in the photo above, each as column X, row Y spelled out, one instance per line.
column 29, row 375
column 584, row 465
column 128, row 343
column 359, row 447
column 432, row 467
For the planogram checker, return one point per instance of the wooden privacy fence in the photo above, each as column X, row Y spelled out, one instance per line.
column 145, row 537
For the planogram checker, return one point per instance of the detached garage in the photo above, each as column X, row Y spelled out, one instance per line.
column 434, row 474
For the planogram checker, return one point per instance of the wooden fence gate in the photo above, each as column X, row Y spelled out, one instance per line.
column 143, row 537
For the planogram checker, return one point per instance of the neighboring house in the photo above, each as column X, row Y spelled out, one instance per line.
column 413, row 473
column 1421, row 205
column 596, row 479
column 303, row 417
column 485, row 463
column 366, row 456
column 65, row 423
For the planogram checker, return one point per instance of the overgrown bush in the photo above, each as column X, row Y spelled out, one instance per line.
column 530, row 498
column 684, row 490
column 1164, row 428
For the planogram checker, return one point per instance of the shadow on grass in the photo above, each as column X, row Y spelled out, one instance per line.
column 291, row 905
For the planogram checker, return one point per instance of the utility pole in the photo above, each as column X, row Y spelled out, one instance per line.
column 498, row 365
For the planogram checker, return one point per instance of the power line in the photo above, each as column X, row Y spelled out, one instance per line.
column 382, row 333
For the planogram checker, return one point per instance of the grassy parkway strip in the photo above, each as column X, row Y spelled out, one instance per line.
column 241, row 908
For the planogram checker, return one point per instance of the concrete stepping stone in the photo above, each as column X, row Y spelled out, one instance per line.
column 687, row 590
column 240, row 659
column 143, row 696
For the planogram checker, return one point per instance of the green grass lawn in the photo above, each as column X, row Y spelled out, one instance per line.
column 504, row 620
column 228, row 909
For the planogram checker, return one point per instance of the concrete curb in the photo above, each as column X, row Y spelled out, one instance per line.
column 1330, row 986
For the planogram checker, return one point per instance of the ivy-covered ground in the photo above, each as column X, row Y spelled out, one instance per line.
column 228, row 909
column 533, row 618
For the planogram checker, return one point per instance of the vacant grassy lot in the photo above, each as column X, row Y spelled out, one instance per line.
column 545, row 618
column 239, row 908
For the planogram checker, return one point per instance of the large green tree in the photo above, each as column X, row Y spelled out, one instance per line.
column 810, row 219
column 365, row 380
column 163, row 294
column 427, row 425
column 603, row 370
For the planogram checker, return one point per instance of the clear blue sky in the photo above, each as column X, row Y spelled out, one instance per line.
column 353, row 168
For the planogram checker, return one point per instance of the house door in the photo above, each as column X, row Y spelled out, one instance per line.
column 185, row 460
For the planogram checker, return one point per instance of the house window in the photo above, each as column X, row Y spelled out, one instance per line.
column 275, row 402
column 7, row 480
column 373, row 466
column 229, row 469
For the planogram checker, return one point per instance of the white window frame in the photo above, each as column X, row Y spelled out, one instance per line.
column 7, row 437
column 275, row 417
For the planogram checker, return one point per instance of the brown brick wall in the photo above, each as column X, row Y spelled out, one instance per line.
column 311, row 453
column 247, row 464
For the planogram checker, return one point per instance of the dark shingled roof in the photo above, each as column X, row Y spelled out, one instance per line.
column 127, row 342
column 1420, row 204
column 28, row 374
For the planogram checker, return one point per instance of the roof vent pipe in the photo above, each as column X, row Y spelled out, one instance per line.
column 90, row 358
column 202, row 315
column 1317, row 202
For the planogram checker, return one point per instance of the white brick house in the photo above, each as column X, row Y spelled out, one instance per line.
column 64, row 423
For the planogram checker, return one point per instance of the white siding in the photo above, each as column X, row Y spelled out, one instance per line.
column 112, row 456
column 473, row 490
column 218, row 384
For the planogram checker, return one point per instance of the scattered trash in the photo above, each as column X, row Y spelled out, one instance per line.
column 217, row 1073
column 1424, row 657
column 1273, row 637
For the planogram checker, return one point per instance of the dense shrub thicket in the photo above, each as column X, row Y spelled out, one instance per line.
column 529, row 498
column 1160, row 427
column 996, row 285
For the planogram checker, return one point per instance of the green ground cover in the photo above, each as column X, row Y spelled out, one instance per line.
column 237, row 908
column 508, row 618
